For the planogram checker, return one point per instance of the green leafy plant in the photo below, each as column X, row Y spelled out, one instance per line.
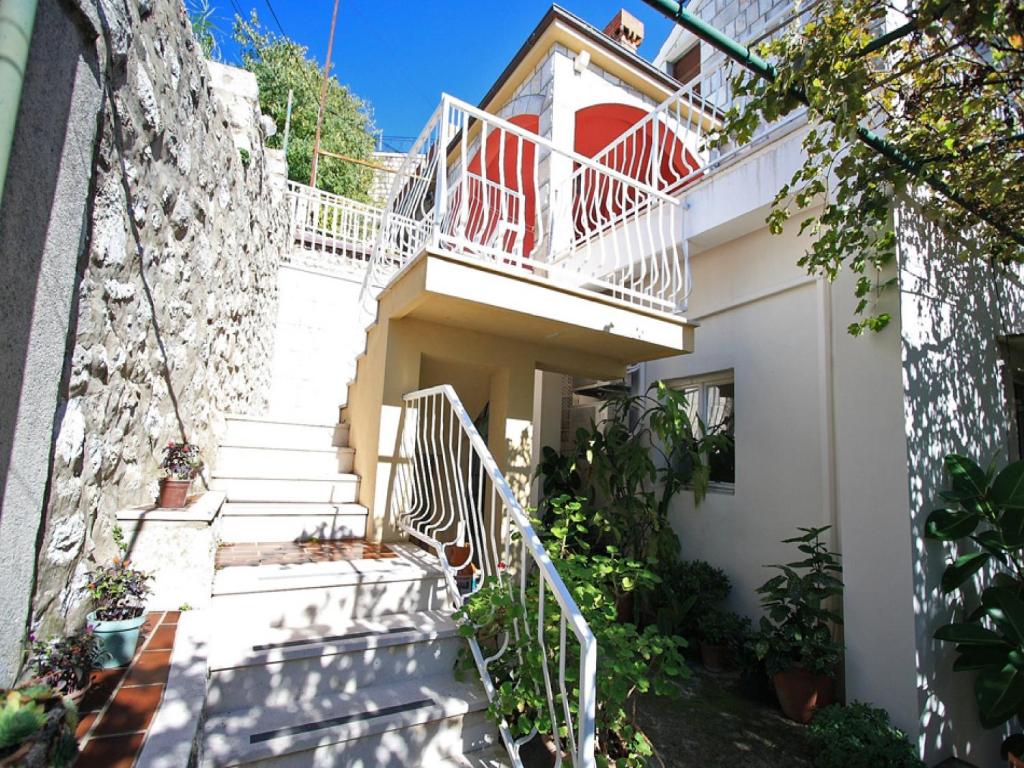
column 282, row 65
column 40, row 716
column 946, row 89
column 630, row 660
column 64, row 662
column 245, row 156
column 721, row 627
column 118, row 590
column 986, row 509
column 859, row 736
column 183, row 460
column 796, row 630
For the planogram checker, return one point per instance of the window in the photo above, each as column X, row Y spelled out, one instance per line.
column 712, row 399
column 687, row 67
column 1013, row 355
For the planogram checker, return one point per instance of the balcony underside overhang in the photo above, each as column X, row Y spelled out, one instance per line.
column 509, row 302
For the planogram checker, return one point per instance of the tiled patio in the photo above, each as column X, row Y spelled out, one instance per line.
column 296, row 553
column 119, row 707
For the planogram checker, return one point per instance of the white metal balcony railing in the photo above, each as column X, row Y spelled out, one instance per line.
column 332, row 225
column 483, row 188
column 448, row 492
column 670, row 149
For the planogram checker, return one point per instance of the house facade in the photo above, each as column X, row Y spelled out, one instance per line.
column 390, row 373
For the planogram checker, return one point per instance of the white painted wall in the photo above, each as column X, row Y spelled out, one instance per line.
column 318, row 337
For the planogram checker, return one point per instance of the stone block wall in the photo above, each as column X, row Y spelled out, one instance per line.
column 177, row 292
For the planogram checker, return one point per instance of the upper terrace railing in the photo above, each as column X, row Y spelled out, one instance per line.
column 487, row 189
column 671, row 148
column 332, row 225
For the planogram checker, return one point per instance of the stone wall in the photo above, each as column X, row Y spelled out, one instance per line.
column 177, row 294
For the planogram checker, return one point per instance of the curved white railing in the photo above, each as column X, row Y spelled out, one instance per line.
column 484, row 188
column 449, row 494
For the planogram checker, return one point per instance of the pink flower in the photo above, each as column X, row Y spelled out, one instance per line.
column 501, row 566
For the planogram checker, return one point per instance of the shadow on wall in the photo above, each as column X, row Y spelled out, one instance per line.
column 955, row 308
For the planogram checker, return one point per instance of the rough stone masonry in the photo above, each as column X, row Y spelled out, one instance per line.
column 177, row 293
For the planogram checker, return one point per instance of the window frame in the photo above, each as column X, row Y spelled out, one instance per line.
column 701, row 383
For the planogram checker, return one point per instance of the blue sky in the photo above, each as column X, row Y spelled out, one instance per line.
column 401, row 56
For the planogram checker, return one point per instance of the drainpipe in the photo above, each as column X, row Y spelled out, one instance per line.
column 17, row 17
column 740, row 53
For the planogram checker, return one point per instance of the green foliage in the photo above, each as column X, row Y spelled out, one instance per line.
column 38, row 713
column 245, row 156
column 859, row 736
column 630, row 466
column 692, row 589
column 796, row 630
column 721, row 627
column 947, row 94
column 987, row 509
column 118, row 590
column 205, row 31
column 281, row 64
column 630, row 660
column 64, row 662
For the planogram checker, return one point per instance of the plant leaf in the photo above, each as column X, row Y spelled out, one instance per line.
column 962, row 569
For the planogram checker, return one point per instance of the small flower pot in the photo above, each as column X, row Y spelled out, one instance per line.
column 801, row 692
column 173, row 492
column 713, row 657
column 1015, row 762
column 116, row 640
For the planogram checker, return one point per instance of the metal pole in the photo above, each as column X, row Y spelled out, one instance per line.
column 17, row 18
column 740, row 53
column 287, row 123
column 323, row 96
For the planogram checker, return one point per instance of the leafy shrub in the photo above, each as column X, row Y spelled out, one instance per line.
column 119, row 590
column 985, row 511
column 630, row 660
column 796, row 630
column 38, row 713
column 721, row 627
column 859, row 736
column 182, row 460
column 64, row 662
column 691, row 589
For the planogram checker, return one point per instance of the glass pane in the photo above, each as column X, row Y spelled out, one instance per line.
column 692, row 405
column 721, row 420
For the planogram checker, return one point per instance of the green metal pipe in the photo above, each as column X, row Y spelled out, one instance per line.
column 740, row 53
column 17, row 17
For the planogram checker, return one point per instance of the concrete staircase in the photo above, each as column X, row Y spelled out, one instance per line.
column 287, row 481
column 337, row 663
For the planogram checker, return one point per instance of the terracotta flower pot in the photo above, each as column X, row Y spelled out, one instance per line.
column 801, row 692
column 713, row 656
column 173, row 492
column 624, row 608
column 1015, row 762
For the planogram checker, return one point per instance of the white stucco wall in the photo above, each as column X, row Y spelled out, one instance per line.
column 954, row 310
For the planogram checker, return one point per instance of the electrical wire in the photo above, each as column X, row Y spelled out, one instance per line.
column 277, row 21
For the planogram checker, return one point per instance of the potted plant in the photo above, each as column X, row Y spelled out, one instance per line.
column 720, row 631
column 182, row 463
column 795, row 638
column 65, row 663
column 1013, row 750
column 119, row 592
column 37, row 728
column 859, row 736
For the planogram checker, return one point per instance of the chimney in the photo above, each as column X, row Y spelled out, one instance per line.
column 626, row 29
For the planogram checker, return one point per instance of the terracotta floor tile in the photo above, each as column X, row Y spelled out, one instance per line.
column 115, row 752
column 85, row 723
column 130, row 711
column 104, row 681
column 171, row 617
column 163, row 637
column 150, row 668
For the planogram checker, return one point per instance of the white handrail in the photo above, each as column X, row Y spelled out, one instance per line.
column 332, row 225
column 448, row 491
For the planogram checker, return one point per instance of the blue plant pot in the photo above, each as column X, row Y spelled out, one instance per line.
column 115, row 640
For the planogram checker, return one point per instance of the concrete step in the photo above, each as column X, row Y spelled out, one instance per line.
column 245, row 486
column 341, row 431
column 261, row 432
column 296, row 596
column 415, row 723
column 255, row 522
column 271, row 667
column 233, row 459
column 490, row 757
